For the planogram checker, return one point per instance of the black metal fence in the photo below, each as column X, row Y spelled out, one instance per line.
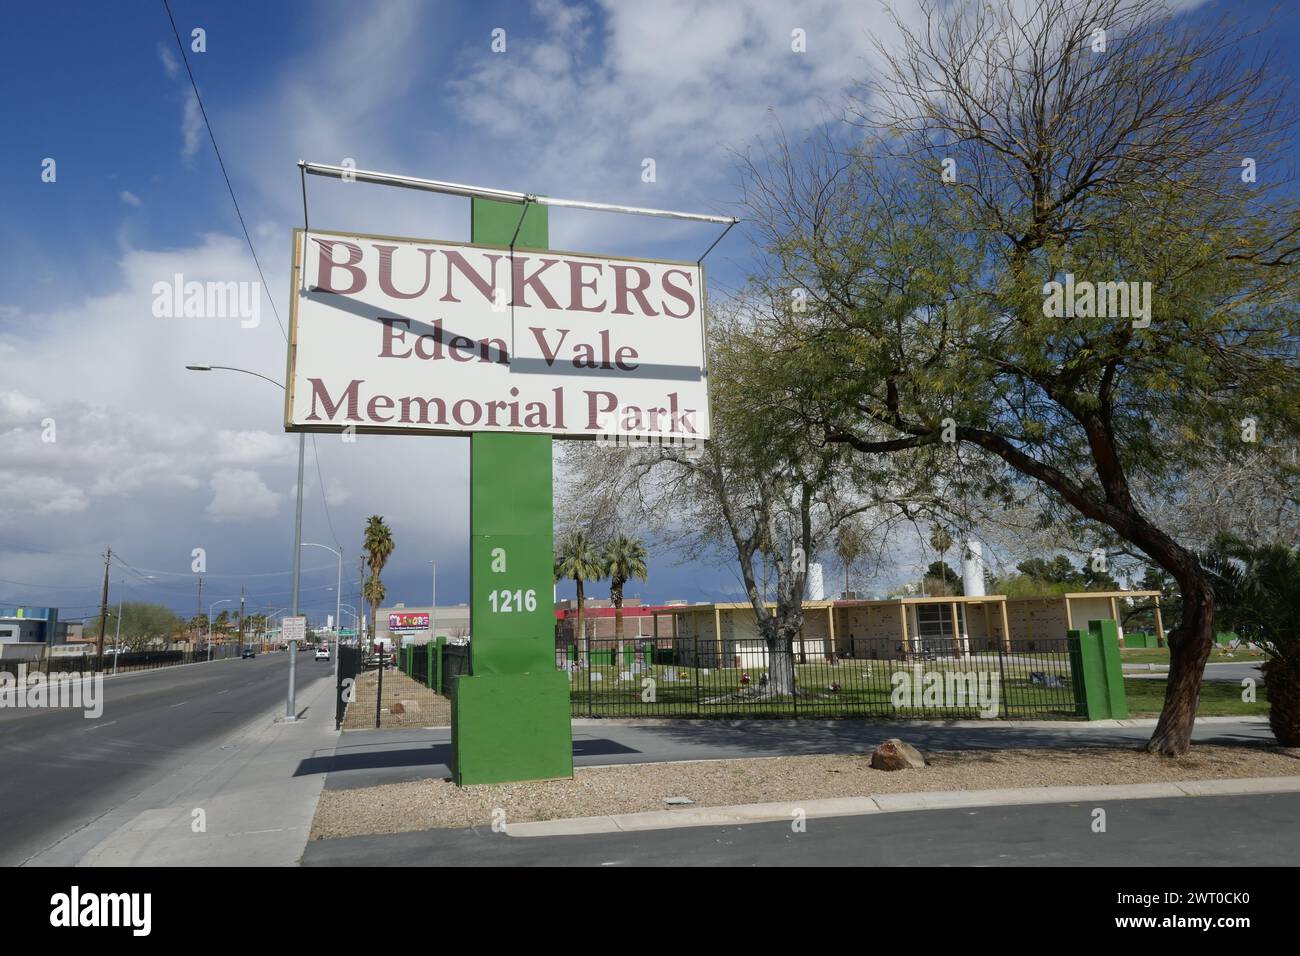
column 126, row 661
column 416, row 665
column 456, row 660
column 349, row 666
column 865, row 678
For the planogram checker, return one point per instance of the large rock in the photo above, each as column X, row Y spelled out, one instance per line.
column 894, row 754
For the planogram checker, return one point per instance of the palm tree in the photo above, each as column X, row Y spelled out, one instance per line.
column 374, row 592
column 850, row 543
column 941, row 541
column 378, row 546
column 1257, row 594
column 577, row 558
column 624, row 558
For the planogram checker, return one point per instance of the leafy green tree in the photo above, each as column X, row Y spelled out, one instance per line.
column 624, row 559
column 577, row 557
column 941, row 573
column 1006, row 159
column 141, row 622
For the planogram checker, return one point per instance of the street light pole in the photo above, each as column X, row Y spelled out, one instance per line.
column 290, row 712
column 338, row 598
column 289, row 709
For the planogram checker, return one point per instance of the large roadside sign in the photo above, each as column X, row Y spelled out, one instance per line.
column 409, row 335
column 293, row 629
column 408, row 621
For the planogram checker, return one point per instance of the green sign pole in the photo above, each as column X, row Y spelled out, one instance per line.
column 510, row 720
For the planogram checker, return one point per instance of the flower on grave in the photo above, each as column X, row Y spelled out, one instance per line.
column 744, row 679
column 834, row 687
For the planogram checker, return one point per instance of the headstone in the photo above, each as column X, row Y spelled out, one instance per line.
column 670, row 673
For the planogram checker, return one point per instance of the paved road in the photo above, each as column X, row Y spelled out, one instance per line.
column 1189, row 831
column 60, row 771
column 366, row 758
column 1234, row 671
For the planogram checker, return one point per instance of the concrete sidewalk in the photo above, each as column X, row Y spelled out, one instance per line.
column 239, row 803
column 367, row 758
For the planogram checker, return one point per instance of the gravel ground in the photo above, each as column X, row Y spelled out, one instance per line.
column 425, row 804
column 421, row 707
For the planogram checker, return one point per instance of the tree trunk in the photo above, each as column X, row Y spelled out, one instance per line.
column 581, row 636
column 780, row 664
column 616, row 596
column 1189, row 648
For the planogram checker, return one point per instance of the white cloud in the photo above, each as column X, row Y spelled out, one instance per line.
column 128, row 197
column 241, row 495
column 38, row 495
column 171, row 66
column 191, row 126
column 253, row 447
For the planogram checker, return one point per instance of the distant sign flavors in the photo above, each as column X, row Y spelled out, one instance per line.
column 413, row 335
column 408, row 622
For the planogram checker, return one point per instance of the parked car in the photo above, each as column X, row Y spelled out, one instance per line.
column 248, row 652
column 323, row 653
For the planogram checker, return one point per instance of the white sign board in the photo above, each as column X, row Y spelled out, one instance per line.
column 405, row 335
column 293, row 629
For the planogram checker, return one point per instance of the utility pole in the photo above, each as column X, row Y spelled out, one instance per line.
column 241, row 619
column 199, row 613
column 103, row 613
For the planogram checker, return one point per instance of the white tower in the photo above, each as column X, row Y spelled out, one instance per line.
column 972, row 569
column 816, row 588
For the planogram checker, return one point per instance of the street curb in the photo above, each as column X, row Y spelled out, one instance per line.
column 895, row 802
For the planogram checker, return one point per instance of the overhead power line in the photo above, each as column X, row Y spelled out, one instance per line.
column 220, row 162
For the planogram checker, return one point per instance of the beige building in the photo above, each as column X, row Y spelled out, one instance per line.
column 726, row 635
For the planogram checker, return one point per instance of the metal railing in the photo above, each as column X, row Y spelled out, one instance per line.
column 125, row 662
column 866, row 677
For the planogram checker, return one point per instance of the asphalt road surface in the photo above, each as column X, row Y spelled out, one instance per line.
column 1257, row 830
column 59, row 771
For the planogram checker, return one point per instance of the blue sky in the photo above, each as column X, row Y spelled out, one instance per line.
column 157, row 461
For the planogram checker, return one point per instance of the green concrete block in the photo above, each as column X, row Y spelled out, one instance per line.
column 1097, row 672
column 507, row 727
column 1107, row 632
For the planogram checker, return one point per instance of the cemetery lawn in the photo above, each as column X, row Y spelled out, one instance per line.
column 1218, row 699
column 850, row 688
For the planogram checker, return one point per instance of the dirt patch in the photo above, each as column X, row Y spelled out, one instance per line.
column 425, row 804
